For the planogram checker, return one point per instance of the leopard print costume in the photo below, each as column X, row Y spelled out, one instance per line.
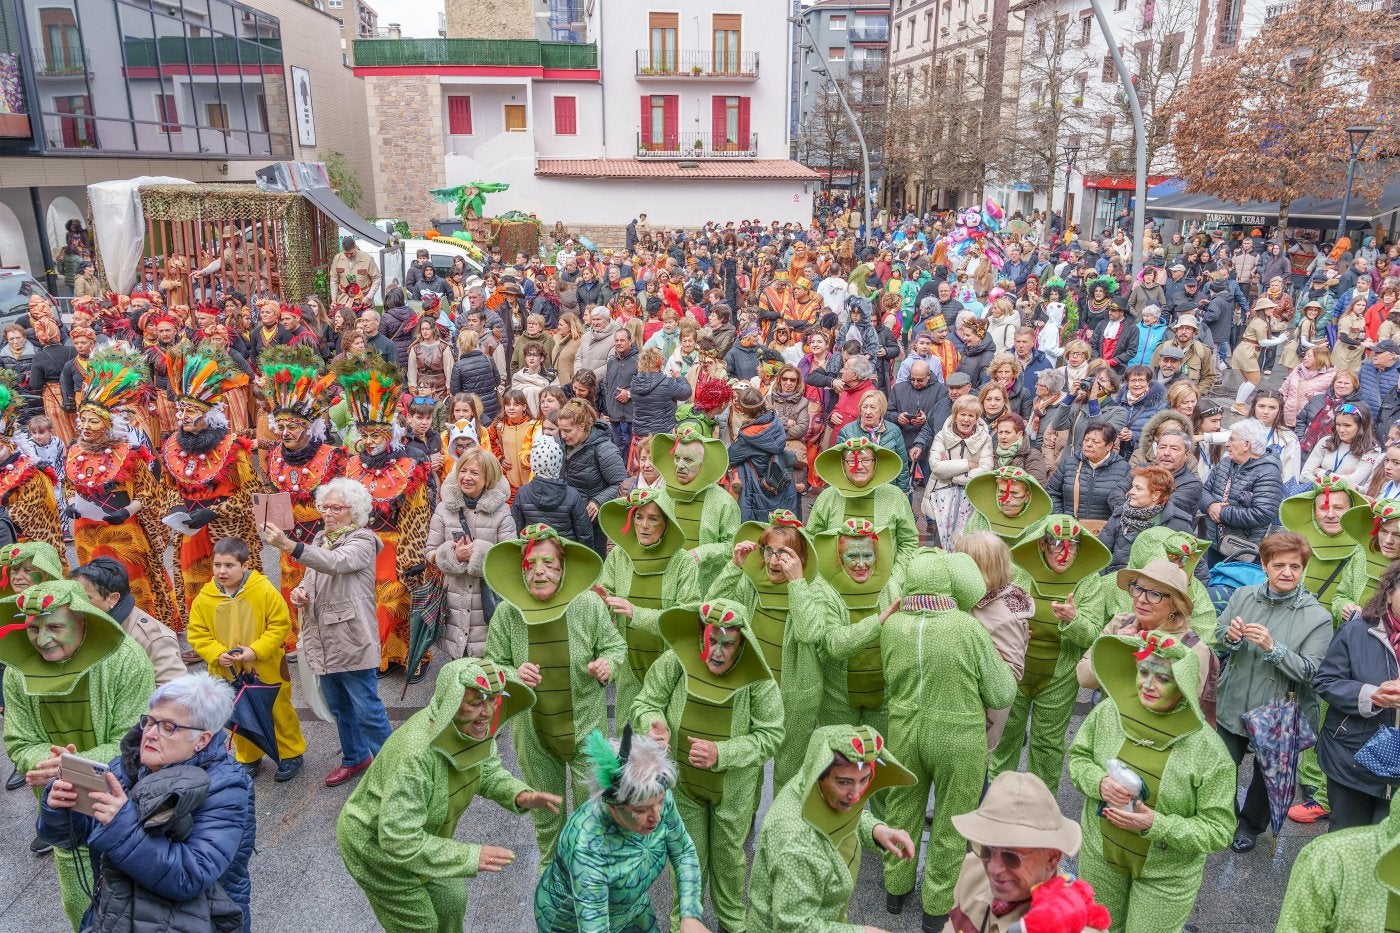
column 27, row 493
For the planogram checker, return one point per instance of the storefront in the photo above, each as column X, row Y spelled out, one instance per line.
column 1109, row 197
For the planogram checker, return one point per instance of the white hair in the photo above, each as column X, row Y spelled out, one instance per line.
column 316, row 432
column 649, row 771
column 1252, row 431
column 206, row 700
column 352, row 494
column 862, row 367
column 215, row 416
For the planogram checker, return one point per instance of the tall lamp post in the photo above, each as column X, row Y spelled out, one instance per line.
column 1357, row 136
column 1139, row 131
column 1070, row 152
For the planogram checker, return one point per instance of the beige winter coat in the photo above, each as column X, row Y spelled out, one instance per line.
column 489, row 522
column 339, row 629
column 160, row 643
column 1005, row 616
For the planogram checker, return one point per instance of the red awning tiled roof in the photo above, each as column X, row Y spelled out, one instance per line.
column 756, row 169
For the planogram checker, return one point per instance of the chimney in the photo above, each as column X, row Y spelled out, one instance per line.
column 395, row 31
column 490, row 19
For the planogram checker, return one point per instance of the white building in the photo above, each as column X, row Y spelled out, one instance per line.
column 678, row 113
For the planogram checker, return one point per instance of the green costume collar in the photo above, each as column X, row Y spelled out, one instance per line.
column 711, row 468
column 686, row 632
column 1115, row 659
column 981, row 491
column 1362, row 522
column 753, row 564
column 40, row 553
column 828, row 547
column 1388, row 865
column 833, row 471
column 102, row 636
column 616, row 517
column 945, row 573
column 1093, row 556
column 1296, row 514
column 857, row 744
column 453, row 681
column 503, row 573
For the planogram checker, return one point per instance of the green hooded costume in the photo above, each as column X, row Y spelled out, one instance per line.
column 1149, row 880
column 1362, row 523
column 1184, row 550
column 663, row 576
column 396, row 832
column 1346, row 882
column 984, row 491
column 807, row 856
column 706, row 512
column 88, row 701
column 1048, row 683
column 740, row 711
column 938, row 718
column 879, row 501
column 791, row 642
column 563, row 636
column 39, row 554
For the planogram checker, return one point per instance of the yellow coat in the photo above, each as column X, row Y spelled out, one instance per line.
column 265, row 623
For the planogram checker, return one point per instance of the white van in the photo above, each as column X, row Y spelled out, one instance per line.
column 393, row 259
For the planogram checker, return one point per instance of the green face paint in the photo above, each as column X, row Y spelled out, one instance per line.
column 1157, row 687
column 1012, row 497
column 723, row 651
column 57, row 635
column 544, row 571
column 858, row 558
column 473, row 718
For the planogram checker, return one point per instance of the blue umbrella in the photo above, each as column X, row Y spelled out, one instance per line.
column 252, row 712
column 1280, row 733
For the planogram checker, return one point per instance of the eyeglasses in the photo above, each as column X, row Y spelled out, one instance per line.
column 853, row 459
column 1151, row 597
column 1009, row 857
column 328, row 507
column 768, row 553
column 165, row 727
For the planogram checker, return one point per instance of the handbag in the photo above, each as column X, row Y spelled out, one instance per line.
column 1381, row 753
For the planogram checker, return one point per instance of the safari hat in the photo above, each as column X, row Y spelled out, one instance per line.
column 1019, row 812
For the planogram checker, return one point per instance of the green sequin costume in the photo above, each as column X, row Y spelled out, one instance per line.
column 807, row 856
column 563, row 636
column 880, row 501
column 663, row 576
column 1149, row 880
column 707, row 513
column 396, row 830
column 1346, row 882
column 1048, row 684
column 89, row 701
column 1182, row 549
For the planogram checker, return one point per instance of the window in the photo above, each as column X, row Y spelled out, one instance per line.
column 63, row 46
column 515, row 118
column 77, row 134
column 1110, row 70
column 910, row 40
column 1171, row 51
column 663, row 29
column 962, row 12
column 979, row 60
column 1086, row 29
column 928, row 26
column 1149, row 9
column 836, row 54
column 459, row 115
column 1079, row 81
column 167, row 113
column 660, row 123
column 897, row 32
column 729, row 124
column 727, row 42
column 837, row 24
column 1040, row 36
column 216, row 117
column 566, row 116
column 1120, row 5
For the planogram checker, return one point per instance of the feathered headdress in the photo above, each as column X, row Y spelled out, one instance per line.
column 1109, row 283
column 637, row 769
column 116, row 379
column 200, row 375
column 296, row 381
column 11, row 402
column 372, row 387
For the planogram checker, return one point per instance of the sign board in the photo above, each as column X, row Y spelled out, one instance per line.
column 1257, row 220
column 301, row 104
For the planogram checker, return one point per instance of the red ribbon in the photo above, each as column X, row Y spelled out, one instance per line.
column 1064, row 549
column 627, row 525
column 1151, row 646
column 791, row 522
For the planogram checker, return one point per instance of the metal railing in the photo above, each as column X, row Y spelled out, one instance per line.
column 203, row 50
column 522, row 52
column 868, row 66
column 59, row 62
column 695, row 63
column 868, row 34
column 697, row 146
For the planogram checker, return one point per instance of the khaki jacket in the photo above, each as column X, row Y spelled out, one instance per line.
column 972, row 904
column 159, row 642
column 339, row 629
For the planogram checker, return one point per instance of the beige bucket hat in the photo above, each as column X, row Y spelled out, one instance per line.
column 1019, row 812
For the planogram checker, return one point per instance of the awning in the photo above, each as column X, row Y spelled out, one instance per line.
column 1120, row 182
column 1266, row 212
column 310, row 180
column 330, row 204
column 1169, row 187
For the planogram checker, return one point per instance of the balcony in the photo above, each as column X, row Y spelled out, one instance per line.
column 59, row 63
column 1274, row 11
column 697, row 64
column 525, row 53
column 1228, row 35
column 868, row 34
column 868, row 66
column 220, row 50
column 697, row 146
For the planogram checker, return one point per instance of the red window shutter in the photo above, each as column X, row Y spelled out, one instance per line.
column 744, row 144
column 672, row 127
column 459, row 114
column 646, row 122
column 565, row 116
column 718, row 108
column 169, row 113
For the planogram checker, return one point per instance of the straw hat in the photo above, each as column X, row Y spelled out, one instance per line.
column 1019, row 812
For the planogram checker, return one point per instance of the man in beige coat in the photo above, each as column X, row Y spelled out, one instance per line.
column 109, row 589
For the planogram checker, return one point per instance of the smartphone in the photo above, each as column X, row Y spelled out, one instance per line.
column 86, row 776
column 460, row 536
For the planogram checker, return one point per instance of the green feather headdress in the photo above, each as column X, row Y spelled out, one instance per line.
column 200, row 374
column 372, row 387
column 296, row 381
column 10, row 399
column 638, row 769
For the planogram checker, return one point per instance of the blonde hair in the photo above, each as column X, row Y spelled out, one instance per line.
column 570, row 327
column 882, row 404
column 1177, row 391
column 1078, row 346
column 1322, row 356
column 466, row 340
column 483, row 458
column 967, row 403
column 1005, row 359
column 651, row 360
column 992, row 555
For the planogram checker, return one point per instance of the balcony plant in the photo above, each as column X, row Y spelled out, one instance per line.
column 696, row 70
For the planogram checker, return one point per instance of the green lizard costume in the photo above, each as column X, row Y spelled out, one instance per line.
column 40, row 555
column 396, row 830
column 655, row 578
column 994, row 494
column 1149, row 880
column 943, row 673
column 807, row 856
column 706, row 512
column 740, row 711
column 791, row 642
column 1336, row 575
column 89, row 701
column 1346, row 882
column 1363, row 524
column 1184, row 550
column 878, row 501
column 563, row 636
column 1048, row 683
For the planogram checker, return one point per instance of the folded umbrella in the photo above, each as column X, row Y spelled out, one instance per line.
column 252, row 712
column 1280, row 733
column 427, row 608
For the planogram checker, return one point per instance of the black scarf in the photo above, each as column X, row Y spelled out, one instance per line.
column 303, row 456
column 1135, row 519
column 200, row 442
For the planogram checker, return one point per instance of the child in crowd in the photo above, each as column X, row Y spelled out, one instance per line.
column 547, row 498
column 511, row 437
column 40, row 444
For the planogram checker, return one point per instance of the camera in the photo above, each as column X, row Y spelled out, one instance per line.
column 1085, row 384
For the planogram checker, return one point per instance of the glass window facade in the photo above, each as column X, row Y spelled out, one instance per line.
column 194, row 78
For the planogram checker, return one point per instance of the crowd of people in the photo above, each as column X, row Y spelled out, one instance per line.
column 600, row 485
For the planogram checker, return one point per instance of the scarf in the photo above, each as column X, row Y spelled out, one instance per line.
column 1006, row 454
column 1134, row 519
column 1392, row 629
column 332, row 537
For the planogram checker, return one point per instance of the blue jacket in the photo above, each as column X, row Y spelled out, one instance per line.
column 1031, row 374
column 1377, row 387
column 889, row 437
column 654, row 400
column 1149, row 339
column 1141, row 411
column 755, row 444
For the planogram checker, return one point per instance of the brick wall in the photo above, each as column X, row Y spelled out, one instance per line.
column 605, row 236
column 406, row 165
column 490, row 19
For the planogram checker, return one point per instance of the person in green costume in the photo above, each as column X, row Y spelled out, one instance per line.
column 558, row 637
column 23, row 564
column 808, row 851
column 615, row 845
column 1336, row 576
column 691, row 465
column 1007, row 501
column 1184, row 550
column 1375, row 527
column 859, row 474
column 939, row 721
column 647, row 570
column 712, row 699
column 1346, row 882
column 773, row 573
column 396, row 830
column 1058, row 564
column 1145, row 846
column 74, row 682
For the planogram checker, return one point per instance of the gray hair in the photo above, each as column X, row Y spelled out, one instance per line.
column 1155, row 309
column 649, row 771
column 862, row 367
column 598, row 309
column 352, row 494
column 207, row 700
column 1252, row 431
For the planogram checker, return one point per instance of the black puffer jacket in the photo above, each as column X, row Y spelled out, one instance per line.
column 397, row 323
column 595, row 467
column 654, row 400
column 1120, row 542
column 976, row 360
column 555, row 503
column 1251, row 505
column 1096, row 485
column 475, row 372
column 1359, row 655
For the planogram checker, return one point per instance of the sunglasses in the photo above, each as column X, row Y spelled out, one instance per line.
column 1010, row 858
column 1348, row 409
column 1211, row 411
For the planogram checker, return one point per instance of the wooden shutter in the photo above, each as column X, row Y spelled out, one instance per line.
column 169, row 113
column 718, row 120
column 566, row 116
column 672, row 126
column 646, row 122
column 459, row 114
column 744, row 144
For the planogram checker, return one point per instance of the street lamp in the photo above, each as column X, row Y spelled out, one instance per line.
column 1139, row 131
column 1357, row 137
column 1070, row 152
